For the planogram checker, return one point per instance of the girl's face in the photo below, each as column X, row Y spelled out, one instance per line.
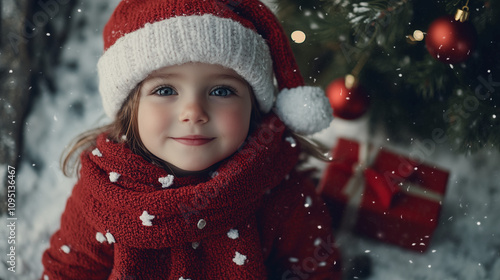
column 193, row 115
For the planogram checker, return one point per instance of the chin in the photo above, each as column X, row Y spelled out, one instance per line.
column 186, row 170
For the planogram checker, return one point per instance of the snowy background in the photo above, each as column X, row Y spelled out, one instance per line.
column 466, row 245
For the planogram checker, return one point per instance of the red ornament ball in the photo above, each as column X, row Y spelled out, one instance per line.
column 347, row 103
column 450, row 41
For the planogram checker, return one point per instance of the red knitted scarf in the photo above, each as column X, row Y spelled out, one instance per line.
column 142, row 206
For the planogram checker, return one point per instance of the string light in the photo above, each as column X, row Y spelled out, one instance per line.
column 298, row 36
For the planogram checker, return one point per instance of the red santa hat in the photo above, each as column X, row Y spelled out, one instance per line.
column 244, row 35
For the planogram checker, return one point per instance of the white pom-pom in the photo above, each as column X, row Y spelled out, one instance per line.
column 239, row 259
column 65, row 249
column 96, row 152
column 305, row 110
column 146, row 219
column 166, row 181
column 110, row 238
column 113, row 177
column 100, row 237
column 233, row 233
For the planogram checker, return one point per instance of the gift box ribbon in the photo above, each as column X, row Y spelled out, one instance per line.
column 365, row 175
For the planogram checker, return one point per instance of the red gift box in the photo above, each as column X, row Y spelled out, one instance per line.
column 383, row 195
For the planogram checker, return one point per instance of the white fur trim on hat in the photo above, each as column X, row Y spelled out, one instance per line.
column 304, row 109
column 178, row 40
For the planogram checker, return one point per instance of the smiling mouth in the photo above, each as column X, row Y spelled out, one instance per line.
column 193, row 140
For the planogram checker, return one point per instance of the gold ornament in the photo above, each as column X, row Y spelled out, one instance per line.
column 462, row 14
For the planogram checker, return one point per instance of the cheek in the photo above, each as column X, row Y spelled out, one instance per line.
column 235, row 122
column 151, row 120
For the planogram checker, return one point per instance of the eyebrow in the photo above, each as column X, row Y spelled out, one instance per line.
column 228, row 76
column 210, row 76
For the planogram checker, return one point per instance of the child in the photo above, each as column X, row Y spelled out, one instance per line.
column 195, row 178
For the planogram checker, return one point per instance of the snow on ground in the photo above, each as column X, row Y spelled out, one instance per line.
column 466, row 244
column 55, row 120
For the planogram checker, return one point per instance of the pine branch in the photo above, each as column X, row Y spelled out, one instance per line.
column 409, row 89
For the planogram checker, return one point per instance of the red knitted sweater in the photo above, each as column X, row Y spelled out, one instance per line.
column 255, row 217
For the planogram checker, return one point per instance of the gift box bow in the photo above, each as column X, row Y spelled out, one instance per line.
column 387, row 175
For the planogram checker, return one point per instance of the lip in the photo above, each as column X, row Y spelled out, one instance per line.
column 193, row 140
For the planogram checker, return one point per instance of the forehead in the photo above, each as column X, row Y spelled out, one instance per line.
column 197, row 69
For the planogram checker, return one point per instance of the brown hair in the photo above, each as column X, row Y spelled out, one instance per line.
column 121, row 129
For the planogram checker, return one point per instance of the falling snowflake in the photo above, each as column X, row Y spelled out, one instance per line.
column 292, row 141
column 308, row 202
column 317, row 242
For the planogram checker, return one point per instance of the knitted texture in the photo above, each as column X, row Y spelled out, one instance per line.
column 244, row 35
column 253, row 218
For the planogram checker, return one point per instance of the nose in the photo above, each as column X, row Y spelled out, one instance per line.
column 193, row 112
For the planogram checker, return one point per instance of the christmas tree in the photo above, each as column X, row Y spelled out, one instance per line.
column 414, row 79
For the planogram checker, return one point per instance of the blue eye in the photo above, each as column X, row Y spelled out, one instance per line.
column 222, row 92
column 164, row 91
